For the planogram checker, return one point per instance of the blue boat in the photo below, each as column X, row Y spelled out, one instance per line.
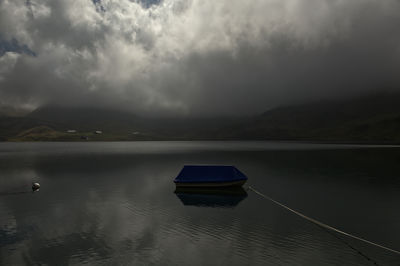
column 210, row 176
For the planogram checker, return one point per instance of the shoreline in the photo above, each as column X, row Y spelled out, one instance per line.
column 333, row 142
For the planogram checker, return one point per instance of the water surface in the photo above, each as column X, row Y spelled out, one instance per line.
column 115, row 203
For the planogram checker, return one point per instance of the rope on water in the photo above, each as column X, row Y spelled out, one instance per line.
column 322, row 224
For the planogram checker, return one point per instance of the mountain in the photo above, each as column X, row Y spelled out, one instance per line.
column 127, row 125
column 373, row 118
column 88, row 123
column 369, row 118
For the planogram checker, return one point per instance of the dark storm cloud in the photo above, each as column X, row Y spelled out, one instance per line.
column 197, row 57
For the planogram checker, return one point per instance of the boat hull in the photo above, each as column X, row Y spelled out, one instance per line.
column 238, row 183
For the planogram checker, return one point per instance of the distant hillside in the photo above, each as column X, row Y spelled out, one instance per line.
column 375, row 118
column 128, row 125
column 12, row 126
column 40, row 133
column 372, row 118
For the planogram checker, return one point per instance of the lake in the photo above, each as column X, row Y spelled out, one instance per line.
column 114, row 203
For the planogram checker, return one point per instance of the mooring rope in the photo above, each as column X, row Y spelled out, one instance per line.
column 322, row 224
column 350, row 246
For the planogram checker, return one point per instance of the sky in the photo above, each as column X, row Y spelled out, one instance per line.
column 195, row 57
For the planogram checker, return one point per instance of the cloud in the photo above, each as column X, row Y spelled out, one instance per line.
column 195, row 57
column 7, row 62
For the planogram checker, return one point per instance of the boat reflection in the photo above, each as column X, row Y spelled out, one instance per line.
column 211, row 197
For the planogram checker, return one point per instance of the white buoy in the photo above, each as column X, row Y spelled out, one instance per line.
column 35, row 185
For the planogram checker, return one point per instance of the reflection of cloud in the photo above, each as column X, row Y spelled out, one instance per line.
column 121, row 209
column 18, row 180
column 8, row 227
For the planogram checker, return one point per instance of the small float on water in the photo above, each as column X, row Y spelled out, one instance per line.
column 210, row 176
column 35, row 186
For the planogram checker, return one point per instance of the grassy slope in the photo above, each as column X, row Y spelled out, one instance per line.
column 44, row 133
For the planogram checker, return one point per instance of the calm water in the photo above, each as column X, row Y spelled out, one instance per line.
column 114, row 204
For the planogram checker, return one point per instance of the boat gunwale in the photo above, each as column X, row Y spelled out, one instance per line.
column 211, row 184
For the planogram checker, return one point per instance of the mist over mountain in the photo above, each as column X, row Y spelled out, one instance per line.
column 179, row 58
column 179, row 69
column 373, row 118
